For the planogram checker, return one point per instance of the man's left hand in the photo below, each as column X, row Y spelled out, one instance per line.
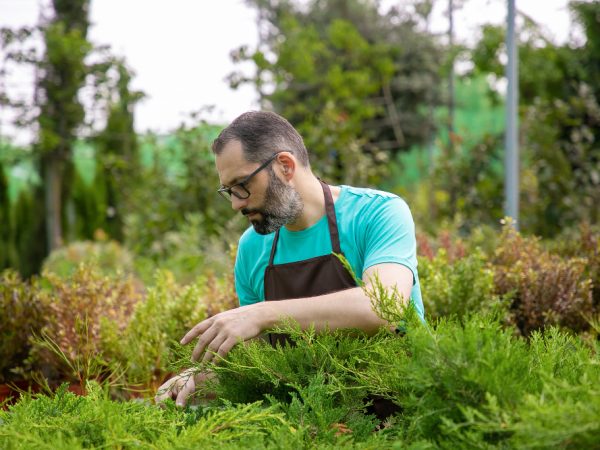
column 218, row 334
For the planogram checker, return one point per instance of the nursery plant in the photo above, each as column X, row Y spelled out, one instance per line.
column 22, row 315
column 69, row 345
column 472, row 383
column 547, row 289
column 145, row 344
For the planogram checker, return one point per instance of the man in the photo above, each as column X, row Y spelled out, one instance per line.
column 285, row 265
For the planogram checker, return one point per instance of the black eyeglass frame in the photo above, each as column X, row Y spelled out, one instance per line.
column 226, row 192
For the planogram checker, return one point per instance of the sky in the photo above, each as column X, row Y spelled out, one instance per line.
column 180, row 50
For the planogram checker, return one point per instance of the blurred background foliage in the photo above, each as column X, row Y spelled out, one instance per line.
column 366, row 87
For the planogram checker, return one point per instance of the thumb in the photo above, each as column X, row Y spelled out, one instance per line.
column 187, row 390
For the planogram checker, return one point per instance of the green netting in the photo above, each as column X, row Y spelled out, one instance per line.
column 167, row 151
column 475, row 116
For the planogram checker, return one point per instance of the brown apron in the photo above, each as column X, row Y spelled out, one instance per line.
column 312, row 277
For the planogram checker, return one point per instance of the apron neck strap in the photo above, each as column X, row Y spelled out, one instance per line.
column 331, row 222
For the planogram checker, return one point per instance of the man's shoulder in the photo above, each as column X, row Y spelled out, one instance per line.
column 368, row 207
column 359, row 197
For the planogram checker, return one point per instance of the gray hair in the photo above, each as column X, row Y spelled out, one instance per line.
column 261, row 134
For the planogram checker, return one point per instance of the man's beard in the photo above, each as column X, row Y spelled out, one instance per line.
column 282, row 205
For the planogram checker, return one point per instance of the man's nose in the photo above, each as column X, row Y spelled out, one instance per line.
column 238, row 203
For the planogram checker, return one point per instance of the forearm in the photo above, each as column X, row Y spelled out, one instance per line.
column 349, row 308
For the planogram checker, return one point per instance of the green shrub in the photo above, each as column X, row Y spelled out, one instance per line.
column 145, row 345
column 440, row 377
column 458, row 287
column 108, row 258
column 563, row 412
column 458, row 385
column 22, row 315
column 67, row 421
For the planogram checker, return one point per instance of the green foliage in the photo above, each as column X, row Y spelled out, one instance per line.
column 26, row 245
column 67, row 421
column 562, row 413
column 560, row 116
column 144, row 344
column 65, row 206
column 90, row 208
column 562, row 149
column 442, row 377
column 458, row 385
column 457, row 288
column 22, row 316
column 341, row 78
column 464, row 185
column 118, row 162
column 107, row 257
column 5, row 210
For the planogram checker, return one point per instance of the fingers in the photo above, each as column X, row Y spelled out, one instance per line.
column 217, row 335
column 196, row 331
column 213, row 348
column 167, row 390
column 179, row 388
column 204, row 341
column 186, row 391
column 226, row 347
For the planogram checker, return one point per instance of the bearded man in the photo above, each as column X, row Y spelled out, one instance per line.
column 286, row 265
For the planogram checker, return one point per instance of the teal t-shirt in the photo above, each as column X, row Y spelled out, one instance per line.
column 375, row 227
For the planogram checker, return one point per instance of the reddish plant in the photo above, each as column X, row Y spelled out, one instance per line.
column 546, row 289
column 69, row 346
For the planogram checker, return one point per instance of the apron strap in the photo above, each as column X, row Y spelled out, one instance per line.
column 273, row 247
column 331, row 222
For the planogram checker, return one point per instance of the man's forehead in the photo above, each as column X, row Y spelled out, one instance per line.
column 231, row 163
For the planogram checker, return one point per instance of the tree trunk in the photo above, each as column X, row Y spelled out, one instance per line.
column 52, row 181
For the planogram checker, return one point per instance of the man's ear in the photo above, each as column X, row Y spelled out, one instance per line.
column 287, row 163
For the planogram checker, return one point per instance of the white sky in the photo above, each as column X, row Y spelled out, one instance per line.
column 179, row 49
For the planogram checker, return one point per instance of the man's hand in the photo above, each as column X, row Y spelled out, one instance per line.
column 180, row 387
column 222, row 331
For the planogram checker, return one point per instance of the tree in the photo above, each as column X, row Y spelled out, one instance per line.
column 355, row 82
column 5, row 221
column 63, row 72
column 560, row 116
column 117, row 155
column 57, row 114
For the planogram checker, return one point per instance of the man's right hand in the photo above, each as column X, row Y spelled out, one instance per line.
column 180, row 387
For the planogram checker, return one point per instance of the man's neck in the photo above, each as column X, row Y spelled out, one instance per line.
column 311, row 192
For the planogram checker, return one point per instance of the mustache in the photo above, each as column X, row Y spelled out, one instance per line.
column 246, row 211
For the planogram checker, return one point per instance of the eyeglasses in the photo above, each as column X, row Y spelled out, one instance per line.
column 240, row 190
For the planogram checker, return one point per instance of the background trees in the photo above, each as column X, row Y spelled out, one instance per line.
column 65, row 65
column 366, row 88
column 358, row 83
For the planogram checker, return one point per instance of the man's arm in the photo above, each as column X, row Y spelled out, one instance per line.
column 349, row 308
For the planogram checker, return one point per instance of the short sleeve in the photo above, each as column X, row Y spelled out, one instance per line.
column 243, row 284
column 390, row 235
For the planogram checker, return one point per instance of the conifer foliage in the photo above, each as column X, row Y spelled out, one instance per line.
column 469, row 383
